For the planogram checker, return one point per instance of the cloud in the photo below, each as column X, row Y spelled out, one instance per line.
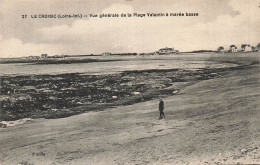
column 11, row 11
column 149, row 34
column 220, row 23
column 14, row 47
column 117, row 34
column 209, row 10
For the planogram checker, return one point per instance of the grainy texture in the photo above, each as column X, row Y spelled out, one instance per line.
column 210, row 122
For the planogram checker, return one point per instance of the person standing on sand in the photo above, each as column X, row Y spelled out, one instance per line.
column 161, row 108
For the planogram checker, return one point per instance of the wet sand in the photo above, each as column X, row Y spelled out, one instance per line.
column 213, row 121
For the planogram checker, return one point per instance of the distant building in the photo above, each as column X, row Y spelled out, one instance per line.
column 166, row 51
column 44, row 56
column 258, row 47
column 246, row 48
column 232, row 48
column 33, row 57
column 221, row 49
column 106, row 53
column 255, row 49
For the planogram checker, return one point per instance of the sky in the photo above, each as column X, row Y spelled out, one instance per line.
column 220, row 23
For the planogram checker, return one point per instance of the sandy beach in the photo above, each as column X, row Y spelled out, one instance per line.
column 212, row 121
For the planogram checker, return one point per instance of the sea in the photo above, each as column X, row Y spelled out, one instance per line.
column 110, row 67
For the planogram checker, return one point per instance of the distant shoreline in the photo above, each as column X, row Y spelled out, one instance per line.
column 53, row 61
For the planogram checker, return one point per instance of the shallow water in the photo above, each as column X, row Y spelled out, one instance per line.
column 106, row 67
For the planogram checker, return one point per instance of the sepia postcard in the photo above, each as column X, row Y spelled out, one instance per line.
column 129, row 82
